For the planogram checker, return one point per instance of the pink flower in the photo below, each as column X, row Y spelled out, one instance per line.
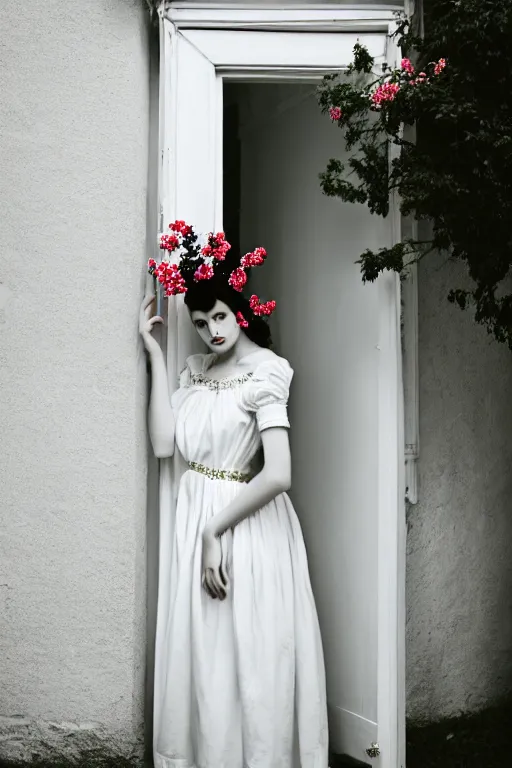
column 237, row 279
column 335, row 114
column 441, row 64
column 204, row 272
column 242, row 322
column 407, row 66
column 385, row 92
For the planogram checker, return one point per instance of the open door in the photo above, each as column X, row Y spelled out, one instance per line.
column 342, row 338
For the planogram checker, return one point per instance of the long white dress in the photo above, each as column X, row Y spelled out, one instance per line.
column 243, row 681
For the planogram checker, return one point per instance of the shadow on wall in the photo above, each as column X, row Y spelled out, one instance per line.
column 471, row 741
column 459, row 569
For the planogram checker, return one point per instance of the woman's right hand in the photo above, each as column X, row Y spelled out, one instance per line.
column 147, row 321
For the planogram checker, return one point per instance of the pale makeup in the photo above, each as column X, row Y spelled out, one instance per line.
column 218, row 328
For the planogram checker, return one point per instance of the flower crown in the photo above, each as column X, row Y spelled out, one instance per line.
column 201, row 258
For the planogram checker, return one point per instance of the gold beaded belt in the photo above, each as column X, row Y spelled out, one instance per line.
column 220, row 474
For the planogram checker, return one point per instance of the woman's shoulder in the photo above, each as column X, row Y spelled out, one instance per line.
column 268, row 388
column 268, row 361
column 198, row 363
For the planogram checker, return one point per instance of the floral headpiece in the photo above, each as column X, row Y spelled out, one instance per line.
column 201, row 258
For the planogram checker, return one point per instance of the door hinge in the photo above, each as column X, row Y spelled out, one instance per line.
column 373, row 750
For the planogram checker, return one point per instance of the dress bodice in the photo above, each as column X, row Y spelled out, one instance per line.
column 218, row 422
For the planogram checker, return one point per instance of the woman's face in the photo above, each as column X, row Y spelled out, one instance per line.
column 218, row 328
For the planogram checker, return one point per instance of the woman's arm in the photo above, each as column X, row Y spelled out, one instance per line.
column 274, row 478
column 160, row 415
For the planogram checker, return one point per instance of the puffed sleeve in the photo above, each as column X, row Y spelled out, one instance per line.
column 266, row 393
column 192, row 363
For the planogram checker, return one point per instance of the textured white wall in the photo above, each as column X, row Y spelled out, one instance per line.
column 74, row 126
column 459, row 567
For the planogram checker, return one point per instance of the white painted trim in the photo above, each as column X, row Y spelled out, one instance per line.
column 230, row 49
column 165, row 501
column 303, row 16
column 410, row 331
column 280, row 74
column 219, row 155
column 396, row 543
column 411, row 378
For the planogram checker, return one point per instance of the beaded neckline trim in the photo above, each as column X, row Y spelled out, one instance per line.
column 216, row 384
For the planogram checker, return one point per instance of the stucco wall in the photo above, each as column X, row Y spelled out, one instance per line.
column 459, row 566
column 74, row 127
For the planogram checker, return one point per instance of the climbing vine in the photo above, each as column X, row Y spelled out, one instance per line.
column 453, row 86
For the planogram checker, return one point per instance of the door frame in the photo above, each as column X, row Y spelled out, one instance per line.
column 190, row 20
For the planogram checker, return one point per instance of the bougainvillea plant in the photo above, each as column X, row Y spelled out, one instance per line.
column 453, row 86
column 191, row 258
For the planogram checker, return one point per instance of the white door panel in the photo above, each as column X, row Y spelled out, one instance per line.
column 327, row 324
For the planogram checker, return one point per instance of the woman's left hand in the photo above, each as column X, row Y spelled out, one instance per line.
column 213, row 578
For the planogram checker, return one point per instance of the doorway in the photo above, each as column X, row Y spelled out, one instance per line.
column 276, row 142
column 255, row 87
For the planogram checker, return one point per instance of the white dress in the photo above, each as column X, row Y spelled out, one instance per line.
column 242, row 681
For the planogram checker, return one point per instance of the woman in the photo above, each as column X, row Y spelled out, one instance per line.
column 244, row 673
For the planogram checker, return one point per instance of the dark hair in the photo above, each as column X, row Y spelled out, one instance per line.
column 201, row 297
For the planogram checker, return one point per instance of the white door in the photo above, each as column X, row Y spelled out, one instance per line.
column 342, row 338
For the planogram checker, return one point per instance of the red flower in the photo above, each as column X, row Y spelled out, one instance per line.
column 180, row 227
column 220, row 252
column 242, row 322
column 254, row 259
column 169, row 242
column 204, row 272
column 335, row 114
column 237, row 279
column 170, row 277
column 268, row 307
column 217, row 246
column 260, row 309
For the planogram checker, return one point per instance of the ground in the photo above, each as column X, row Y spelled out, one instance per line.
column 482, row 740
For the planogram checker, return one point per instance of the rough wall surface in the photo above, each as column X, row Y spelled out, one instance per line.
column 459, row 568
column 74, row 126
